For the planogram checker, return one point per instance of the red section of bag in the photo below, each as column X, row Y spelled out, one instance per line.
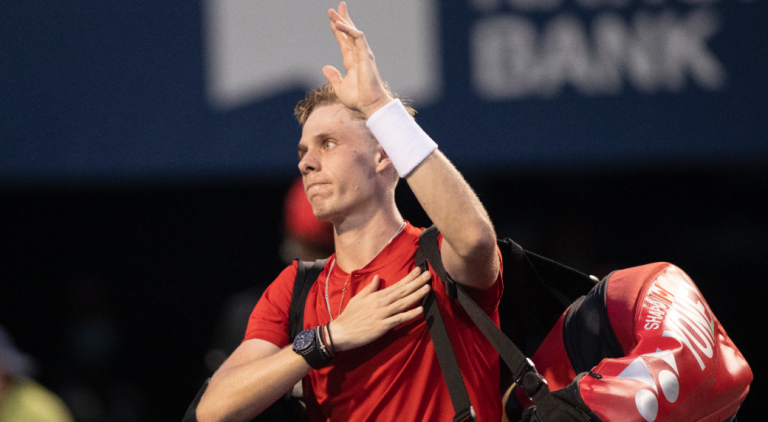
column 557, row 369
column 680, row 363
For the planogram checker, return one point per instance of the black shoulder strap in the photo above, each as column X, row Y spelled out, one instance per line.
column 306, row 275
column 443, row 347
column 510, row 354
column 523, row 371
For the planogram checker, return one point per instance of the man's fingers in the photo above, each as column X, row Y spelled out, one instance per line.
column 342, row 15
column 410, row 277
column 344, row 25
column 372, row 286
column 414, row 279
column 407, row 285
column 357, row 37
column 344, row 12
column 337, row 18
column 402, row 317
column 347, row 29
column 341, row 37
column 408, row 301
column 413, row 275
column 333, row 75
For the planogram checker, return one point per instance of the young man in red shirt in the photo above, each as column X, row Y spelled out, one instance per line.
column 366, row 353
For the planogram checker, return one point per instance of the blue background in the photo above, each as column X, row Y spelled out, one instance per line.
column 102, row 91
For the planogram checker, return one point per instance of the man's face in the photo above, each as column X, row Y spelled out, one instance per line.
column 337, row 161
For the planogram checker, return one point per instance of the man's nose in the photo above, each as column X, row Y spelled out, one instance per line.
column 309, row 163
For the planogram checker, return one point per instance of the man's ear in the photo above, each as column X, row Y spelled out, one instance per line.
column 383, row 162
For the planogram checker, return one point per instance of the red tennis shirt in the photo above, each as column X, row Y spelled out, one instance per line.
column 396, row 377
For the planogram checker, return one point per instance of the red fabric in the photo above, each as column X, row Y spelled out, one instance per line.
column 551, row 362
column 396, row 377
column 679, row 362
column 683, row 366
column 559, row 373
column 621, row 300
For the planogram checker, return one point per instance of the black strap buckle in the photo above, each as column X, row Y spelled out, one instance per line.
column 531, row 381
column 468, row 415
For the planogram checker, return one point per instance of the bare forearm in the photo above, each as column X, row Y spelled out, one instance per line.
column 452, row 205
column 239, row 393
column 442, row 191
column 258, row 372
column 469, row 241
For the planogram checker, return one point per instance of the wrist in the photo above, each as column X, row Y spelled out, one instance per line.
column 340, row 341
column 406, row 144
column 328, row 339
column 309, row 344
column 371, row 109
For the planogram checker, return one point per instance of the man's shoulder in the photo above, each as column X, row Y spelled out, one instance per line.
column 411, row 234
column 282, row 285
column 287, row 278
column 289, row 272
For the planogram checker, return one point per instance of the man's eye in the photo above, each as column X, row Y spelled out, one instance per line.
column 329, row 144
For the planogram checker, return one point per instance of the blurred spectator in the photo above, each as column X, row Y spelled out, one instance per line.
column 21, row 398
column 304, row 237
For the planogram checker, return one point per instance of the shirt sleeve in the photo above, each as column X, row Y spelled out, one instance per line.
column 269, row 319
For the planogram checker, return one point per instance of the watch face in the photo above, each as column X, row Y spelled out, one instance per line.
column 304, row 340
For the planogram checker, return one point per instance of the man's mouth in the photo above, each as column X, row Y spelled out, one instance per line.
column 315, row 185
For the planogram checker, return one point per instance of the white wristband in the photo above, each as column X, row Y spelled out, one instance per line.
column 406, row 144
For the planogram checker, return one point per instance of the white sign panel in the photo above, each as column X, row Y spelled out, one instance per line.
column 256, row 49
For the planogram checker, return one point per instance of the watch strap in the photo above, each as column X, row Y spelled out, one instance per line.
column 312, row 354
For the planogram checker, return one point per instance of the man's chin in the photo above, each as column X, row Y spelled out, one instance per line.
column 323, row 214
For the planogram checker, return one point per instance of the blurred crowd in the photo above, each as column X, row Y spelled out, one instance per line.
column 22, row 399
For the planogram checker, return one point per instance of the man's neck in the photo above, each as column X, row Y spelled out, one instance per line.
column 359, row 240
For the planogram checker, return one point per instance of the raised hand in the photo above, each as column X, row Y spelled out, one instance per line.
column 373, row 312
column 362, row 88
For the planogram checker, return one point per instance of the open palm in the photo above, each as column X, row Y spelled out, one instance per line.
column 362, row 88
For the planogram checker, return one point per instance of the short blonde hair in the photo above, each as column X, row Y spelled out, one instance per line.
column 325, row 95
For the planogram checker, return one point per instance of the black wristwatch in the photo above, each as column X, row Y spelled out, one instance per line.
column 307, row 344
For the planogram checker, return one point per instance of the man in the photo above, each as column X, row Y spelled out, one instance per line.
column 370, row 348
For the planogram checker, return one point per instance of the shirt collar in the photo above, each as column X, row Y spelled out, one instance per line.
column 403, row 244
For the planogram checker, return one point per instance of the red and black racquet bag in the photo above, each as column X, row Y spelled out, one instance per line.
column 642, row 345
